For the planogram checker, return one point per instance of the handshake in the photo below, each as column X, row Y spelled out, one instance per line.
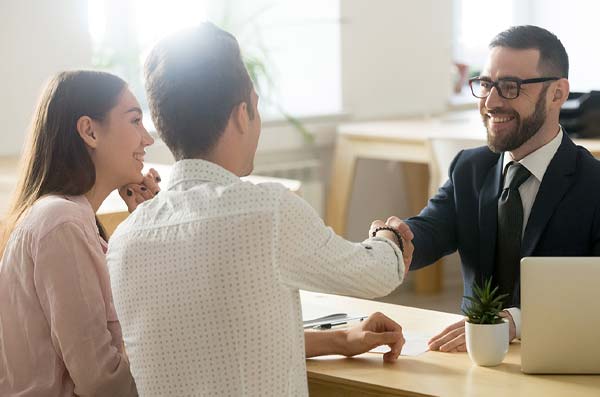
column 400, row 233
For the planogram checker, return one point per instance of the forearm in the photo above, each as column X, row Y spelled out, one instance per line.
column 432, row 241
column 322, row 343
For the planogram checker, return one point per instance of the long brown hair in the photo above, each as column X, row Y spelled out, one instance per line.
column 55, row 159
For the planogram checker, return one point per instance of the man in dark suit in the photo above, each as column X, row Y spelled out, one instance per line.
column 530, row 192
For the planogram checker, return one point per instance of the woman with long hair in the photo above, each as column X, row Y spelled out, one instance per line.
column 59, row 333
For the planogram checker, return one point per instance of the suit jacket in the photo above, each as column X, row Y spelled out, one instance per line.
column 463, row 215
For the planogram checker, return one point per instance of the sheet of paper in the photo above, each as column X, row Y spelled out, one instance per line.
column 415, row 344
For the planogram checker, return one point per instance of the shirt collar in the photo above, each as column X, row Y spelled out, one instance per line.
column 201, row 170
column 537, row 162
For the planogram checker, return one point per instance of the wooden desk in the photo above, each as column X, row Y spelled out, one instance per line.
column 432, row 373
column 406, row 141
column 114, row 211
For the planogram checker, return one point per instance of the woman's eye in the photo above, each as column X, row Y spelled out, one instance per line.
column 137, row 121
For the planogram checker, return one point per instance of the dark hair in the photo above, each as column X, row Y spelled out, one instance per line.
column 553, row 56
column 194, row 79
column 56, row 160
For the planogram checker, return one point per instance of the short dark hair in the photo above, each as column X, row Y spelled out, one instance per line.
column 194, row 79
column 553, row 56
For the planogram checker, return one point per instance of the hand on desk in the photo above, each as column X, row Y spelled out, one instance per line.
column 452, row 338
column 136, row 193
column 375, row 331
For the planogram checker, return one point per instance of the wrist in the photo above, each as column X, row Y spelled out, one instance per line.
column 389, row 233
column 339, row 342
column 322, row 343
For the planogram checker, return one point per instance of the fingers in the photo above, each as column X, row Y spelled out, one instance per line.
column 134, row 194
column 401, row 227
column 458, row 339
column 151, row 180
column 382, row 330
column 459, row 349
column 450, row 338
column 449, row 328
column 374, row 225
column 407, row 236
column 379, row 322
column 407, row 255
column 141, row 191
column 395, row 340
column 154, row 174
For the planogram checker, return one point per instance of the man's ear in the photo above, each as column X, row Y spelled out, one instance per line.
column 240, row 113
column 85, row 129
column 561, row 93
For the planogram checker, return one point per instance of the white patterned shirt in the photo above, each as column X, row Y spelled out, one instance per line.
column 205, row 279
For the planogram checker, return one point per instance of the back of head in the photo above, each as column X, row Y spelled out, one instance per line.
column 194, row 79
column 55, row 159
column 554, row 60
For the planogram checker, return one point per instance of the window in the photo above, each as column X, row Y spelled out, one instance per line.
column 478, row 21
column 299, row 43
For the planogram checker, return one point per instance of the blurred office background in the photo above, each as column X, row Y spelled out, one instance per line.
column 326, row 63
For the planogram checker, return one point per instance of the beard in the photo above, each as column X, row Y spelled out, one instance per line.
column 525, row 129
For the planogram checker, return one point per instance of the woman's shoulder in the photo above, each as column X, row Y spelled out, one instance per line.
column 52, row 211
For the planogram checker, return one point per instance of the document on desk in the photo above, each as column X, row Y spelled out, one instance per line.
column 415, row 344
column 314, row 314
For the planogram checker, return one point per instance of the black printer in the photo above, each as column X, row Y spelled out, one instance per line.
column 580, row 114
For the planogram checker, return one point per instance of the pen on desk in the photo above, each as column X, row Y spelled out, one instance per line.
column 335, row 324
column 329, row 325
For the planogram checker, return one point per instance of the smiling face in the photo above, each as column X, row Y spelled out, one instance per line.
column 121, row 141
column 510, row 123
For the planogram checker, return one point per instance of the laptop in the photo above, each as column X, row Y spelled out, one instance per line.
column 560, row 315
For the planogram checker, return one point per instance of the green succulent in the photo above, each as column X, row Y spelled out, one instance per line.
column 485, row 304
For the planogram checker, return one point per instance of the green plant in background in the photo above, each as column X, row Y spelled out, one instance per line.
column 257, row 61
column 124, row 57
column 486, row 304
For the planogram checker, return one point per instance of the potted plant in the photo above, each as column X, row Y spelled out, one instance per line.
column 486, row 332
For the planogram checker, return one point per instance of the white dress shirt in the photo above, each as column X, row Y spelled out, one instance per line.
column 205, row 280
column 537, row 163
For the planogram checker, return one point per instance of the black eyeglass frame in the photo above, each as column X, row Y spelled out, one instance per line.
column 517, row 80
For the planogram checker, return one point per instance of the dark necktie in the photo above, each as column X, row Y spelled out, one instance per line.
column 510, row 227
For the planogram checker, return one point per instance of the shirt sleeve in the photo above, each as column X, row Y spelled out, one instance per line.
column 515, row 312
column 312, row 257
column 68, row 285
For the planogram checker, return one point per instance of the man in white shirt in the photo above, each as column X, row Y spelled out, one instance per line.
column 531, row 192
column 206, row 275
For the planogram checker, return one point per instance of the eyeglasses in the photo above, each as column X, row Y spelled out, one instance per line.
column 508, row 88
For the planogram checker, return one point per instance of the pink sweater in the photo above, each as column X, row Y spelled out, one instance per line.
column 59, row 332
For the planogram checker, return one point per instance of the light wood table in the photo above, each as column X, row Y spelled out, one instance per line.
column 406, row 141
column 431, row 373
column 113, row 210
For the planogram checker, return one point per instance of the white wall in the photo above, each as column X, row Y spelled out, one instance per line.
column 37, row 39
column 396, row 57
column 575, row 23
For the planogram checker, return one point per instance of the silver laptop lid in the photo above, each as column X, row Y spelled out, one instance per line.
column 560, row 308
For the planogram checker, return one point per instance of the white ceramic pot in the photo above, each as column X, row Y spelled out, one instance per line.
column 487, row 344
